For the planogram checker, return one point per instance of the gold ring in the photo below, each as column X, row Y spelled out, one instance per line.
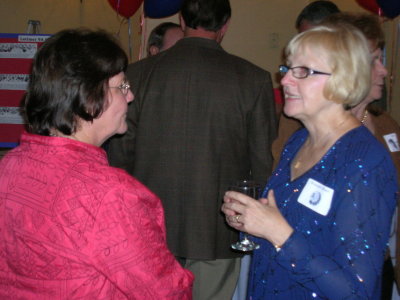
column 237, row 218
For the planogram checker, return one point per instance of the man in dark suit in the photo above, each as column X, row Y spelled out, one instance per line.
column 201, row 119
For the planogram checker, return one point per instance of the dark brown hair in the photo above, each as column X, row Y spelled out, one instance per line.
column 70, row 73
column 368, row 24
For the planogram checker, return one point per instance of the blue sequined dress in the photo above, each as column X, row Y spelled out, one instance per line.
column 340, row 231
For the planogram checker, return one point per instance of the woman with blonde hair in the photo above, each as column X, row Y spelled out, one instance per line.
column 324, row 217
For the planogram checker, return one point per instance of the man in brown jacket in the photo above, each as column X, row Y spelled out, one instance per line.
column 201, row 119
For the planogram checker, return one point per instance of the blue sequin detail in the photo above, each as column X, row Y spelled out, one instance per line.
column 340, row 246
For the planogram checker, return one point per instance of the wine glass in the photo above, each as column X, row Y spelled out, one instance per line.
column 252, row 189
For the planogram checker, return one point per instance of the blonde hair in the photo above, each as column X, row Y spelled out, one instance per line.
column 345, row 49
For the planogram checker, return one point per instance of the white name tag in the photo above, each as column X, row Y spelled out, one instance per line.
column 392, row 142
column 316, row 196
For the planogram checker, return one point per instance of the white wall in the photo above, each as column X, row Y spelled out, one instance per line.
column 258, row 31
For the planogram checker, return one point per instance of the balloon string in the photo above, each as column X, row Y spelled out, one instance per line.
column 130, row 38
column 118, row 6
column 142, row 34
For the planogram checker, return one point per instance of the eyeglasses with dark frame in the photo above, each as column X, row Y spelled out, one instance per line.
column 300, row 72
column 123, row 87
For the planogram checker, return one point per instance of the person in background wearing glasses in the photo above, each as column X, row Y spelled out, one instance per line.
column 382, row 126
column 71, row 226
column 324, row 217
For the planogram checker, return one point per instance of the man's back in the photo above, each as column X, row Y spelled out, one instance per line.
column 204, row 118
column 201, row 120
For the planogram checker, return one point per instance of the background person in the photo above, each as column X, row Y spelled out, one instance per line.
column 330, row 246
column 163, row 37
column 380, row 123
column 314, row 13
column 201, row 120
column 73, row 227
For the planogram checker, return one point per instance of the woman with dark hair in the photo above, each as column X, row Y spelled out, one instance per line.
column 71, row 226
column 381, row 125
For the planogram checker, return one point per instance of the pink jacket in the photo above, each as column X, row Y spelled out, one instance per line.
column 72, row 227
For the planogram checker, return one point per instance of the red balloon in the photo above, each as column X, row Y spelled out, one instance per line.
column 370, row 5
column 125, row 8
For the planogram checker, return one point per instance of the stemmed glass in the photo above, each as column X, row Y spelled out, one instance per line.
column 252, row 189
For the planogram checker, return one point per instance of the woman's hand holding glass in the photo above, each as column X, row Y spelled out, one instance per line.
column 260, row 218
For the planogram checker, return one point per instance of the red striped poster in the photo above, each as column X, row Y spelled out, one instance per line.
column 16, row 54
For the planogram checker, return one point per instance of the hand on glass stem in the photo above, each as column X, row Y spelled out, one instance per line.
column 260, row 218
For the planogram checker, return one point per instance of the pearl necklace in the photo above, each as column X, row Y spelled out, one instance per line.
column 364, row 118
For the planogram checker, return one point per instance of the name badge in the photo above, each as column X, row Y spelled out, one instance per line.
column 392, row 142
column 316, row 196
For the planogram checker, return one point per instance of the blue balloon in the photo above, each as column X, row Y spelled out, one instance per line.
column 161, row 8
column 390, row 8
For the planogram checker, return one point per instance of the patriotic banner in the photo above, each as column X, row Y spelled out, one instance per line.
column 16, row 54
